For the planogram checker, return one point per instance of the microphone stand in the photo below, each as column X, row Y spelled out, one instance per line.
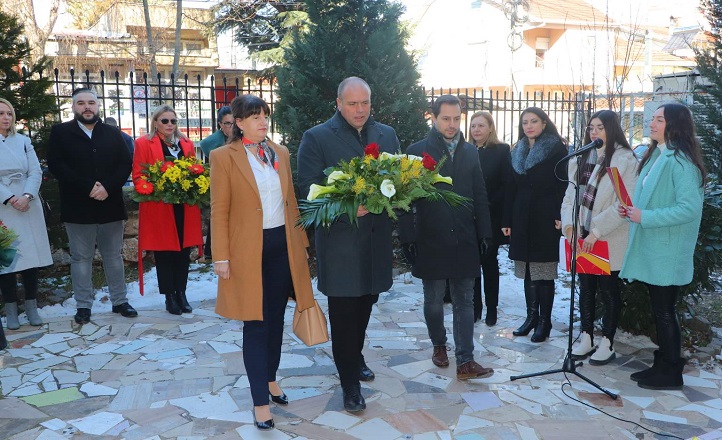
column 569, row 365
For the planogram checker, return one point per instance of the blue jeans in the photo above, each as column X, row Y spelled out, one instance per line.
column 83, row 239
column 462, row 293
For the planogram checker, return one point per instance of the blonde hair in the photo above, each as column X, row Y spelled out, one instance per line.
column 13, row 121
column 493, row 138
column 154, row 121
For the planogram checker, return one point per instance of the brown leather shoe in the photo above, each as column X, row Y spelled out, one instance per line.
column 439, row 358
column 472, row 370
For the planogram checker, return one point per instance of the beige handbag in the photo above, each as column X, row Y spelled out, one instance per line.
column 310, row 325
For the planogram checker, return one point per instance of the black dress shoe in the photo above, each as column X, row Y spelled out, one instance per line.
column 491, row 316
column 126, row 310
column 171, row 305
column 365, row 374
column 353, row 401
column 281, row 400
column 183, row 302
column 82, row 316
column 263, row 426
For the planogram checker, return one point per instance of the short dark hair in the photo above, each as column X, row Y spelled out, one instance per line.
column 441, row 100
column 245, row 106
column 223, row 111
column 111, row 121
column 83, row 90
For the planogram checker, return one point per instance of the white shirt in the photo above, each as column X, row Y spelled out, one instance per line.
column 269, row 188
column 88, row 131
column 662, row 149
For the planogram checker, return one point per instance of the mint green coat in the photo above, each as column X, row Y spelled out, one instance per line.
column 661, row 247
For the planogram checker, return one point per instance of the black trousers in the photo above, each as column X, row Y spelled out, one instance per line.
column 349, row 317
column 262, row 340
column 9, row 284
column 669, row 335
column 608, row 286
column 490, row 273
column 172, row 266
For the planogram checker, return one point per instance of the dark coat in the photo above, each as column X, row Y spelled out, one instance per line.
column 447, row 238
column 495, row 161
column 352, row 260
column 78, row 161
column 537, row 199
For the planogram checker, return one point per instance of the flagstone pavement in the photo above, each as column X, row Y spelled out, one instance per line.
column 161, row 376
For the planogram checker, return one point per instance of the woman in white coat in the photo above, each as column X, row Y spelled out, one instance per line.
column 21, row 211
column 599, row 220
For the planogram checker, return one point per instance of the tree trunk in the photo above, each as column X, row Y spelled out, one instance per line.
column 151, row 45
column 37, row 36
column 177, row 47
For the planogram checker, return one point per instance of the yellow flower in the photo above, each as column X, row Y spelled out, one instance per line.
column 186, row 185
column 367, row 159
column 160, row 184
column 359, row 185
column 173, row 174
column 203, row 184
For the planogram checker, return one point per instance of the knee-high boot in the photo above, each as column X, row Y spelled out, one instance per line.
column 585, row 347
column 545, row 292
column 532, row 310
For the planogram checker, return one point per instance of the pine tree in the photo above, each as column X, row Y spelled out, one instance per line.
column 345, row 38
column 24, row 85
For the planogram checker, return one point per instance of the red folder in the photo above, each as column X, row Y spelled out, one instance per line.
column 619, row 187
column 595, row 262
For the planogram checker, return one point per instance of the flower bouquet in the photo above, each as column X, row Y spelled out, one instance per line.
column 380, row 182
column 182, row 180
column 7, row 252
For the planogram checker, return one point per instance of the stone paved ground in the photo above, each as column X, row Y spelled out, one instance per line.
column 161, row 376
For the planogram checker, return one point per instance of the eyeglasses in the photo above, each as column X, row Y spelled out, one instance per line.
column 172, row 121
column 226, row 124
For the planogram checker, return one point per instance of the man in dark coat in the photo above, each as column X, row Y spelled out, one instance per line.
column 92, row 163
column 449, row 241
column 353, row 261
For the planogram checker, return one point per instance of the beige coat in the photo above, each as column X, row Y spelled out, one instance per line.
column 606, row 224
column 237, row 228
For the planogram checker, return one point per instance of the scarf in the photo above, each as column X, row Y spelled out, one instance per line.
column 587, row 176
column 171, row 144
column 264, row 152
column 451, row 144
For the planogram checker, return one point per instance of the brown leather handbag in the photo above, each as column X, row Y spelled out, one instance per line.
column 310, row 325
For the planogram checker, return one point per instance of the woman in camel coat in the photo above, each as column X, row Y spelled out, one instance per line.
column 259, row 253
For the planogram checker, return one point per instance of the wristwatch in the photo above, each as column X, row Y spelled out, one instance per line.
column 29, row 196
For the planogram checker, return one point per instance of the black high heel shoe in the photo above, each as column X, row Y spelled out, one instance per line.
column 281, row 400
column 263, row 426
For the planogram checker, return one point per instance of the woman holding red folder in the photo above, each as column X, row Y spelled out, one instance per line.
column 598, row 220
column 664, row 225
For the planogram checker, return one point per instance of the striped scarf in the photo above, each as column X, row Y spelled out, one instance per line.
column 587, row 177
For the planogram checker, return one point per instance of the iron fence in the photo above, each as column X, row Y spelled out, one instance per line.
column 131, row 100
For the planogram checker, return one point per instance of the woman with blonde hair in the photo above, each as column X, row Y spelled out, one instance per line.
column 21, row 211
column 495, row 161
column 169, row 230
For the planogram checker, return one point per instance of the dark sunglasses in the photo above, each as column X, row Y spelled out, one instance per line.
column 172, row 121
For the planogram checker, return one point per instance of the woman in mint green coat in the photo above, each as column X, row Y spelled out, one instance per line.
column 663, row 233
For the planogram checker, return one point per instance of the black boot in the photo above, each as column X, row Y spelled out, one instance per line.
column 667, row 376
column 447, row 293
column 532, row 310
column 587, row 297
column 3, row 340
column 353, row 401
column 545, row 292
column 180, row 298
column 478, row 305
column 171, row 304
column 649, row 372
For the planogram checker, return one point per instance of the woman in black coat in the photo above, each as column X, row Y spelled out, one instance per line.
column 536, row 216
column 495, row 160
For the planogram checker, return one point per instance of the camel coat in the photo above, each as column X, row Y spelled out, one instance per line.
column 237, row 233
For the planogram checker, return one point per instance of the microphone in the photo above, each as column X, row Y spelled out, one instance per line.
column 592, row 145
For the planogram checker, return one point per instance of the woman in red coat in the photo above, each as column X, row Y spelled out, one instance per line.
column 169, row 230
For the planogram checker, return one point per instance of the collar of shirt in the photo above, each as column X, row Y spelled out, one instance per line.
column 86, row 130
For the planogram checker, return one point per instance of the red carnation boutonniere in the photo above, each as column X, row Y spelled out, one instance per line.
column 166, row 165
column 428, row 162
column 372, row 150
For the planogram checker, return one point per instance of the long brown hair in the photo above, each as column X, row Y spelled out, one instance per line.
column 614, row 134
column 493, row 138
column 680, row 135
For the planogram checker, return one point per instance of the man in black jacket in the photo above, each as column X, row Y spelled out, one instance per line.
column 92, row 163
column 353, row 261
column 449, row 241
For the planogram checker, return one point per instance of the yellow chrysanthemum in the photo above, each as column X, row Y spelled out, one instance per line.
column 359, row 185
column 160, row 184
column 203, row 184
column 367, row 159
column 173, row 174
column 185, row 185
